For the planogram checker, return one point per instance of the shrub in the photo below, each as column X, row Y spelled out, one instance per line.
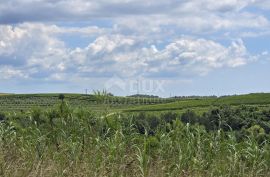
column 169, row 117
column 189, row 117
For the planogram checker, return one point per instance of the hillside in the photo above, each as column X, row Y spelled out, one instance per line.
column 260, row 99
column 28, row 101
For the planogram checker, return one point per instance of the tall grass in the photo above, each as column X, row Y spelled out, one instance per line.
column 66, row 142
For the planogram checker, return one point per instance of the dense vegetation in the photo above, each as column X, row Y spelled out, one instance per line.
column 68, row 141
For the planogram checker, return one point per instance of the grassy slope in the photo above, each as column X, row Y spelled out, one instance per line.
column 250, row 99
column 26, row 101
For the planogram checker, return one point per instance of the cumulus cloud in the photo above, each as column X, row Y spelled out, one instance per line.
column 198, row 56
column 7, row 72
column 38, row 52
column 125, row 37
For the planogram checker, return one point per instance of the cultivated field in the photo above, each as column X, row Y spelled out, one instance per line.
column 258, row 99
column 17, row 102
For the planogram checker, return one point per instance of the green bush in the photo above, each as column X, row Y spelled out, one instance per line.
column 189, row 117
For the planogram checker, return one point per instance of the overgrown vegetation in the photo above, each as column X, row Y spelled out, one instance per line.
column 67, row 141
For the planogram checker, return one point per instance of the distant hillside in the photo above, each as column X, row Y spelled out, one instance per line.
column 130, row 103
column 194, row 97
column 143, row 96
column 28, row 101
column 249, row 99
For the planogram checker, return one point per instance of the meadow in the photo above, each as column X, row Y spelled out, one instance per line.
column 91, row 136
column 258, row 99
column 18, row 102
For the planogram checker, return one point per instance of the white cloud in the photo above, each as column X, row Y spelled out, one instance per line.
column 86, row 41
column 38, row 52
column 104, row 44
column 199, row 56
column 183, row 56
column 7, row 72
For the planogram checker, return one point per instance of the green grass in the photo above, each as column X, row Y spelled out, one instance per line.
column 17, row 102
column 249, row 99
column 255, row 98
column 69, row 142
column 60, row 139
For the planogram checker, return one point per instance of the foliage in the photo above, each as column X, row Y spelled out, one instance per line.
column 67, row 141
column 61, row 97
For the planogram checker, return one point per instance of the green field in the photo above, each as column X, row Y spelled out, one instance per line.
column 28, row 101
column 93, row 135
column 17, row 102
column 259, row 99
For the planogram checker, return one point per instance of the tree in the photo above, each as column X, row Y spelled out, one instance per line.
column 61, row 97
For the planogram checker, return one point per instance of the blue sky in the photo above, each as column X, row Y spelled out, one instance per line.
column 165, row 47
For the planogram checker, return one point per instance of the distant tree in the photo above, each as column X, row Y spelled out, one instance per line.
column 110, row 94
column 61, row 97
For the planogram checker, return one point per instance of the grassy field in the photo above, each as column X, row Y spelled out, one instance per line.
column 17, row 102
column 259, row 99
column 88, row 135
column 66, row 142
column 28, row 101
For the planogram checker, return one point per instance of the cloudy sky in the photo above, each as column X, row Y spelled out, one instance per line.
column 179, row 47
